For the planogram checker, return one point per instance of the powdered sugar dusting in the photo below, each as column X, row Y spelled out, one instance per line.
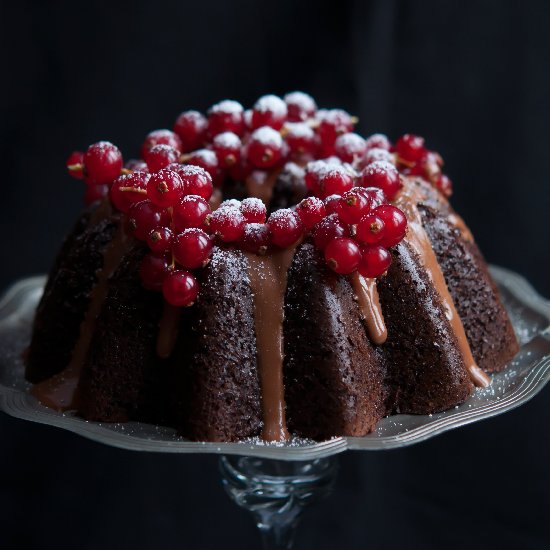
column 301, row 100
column 230, row 203
column 271, row 104
column 208, row 156
column 227, row 140
column 267, row 136
column 350, row 141
column 226, row 106
column 299, row 130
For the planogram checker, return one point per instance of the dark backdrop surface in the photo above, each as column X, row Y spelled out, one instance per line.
column 473, row 77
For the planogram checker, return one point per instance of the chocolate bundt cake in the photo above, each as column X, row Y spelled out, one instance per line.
column 266, row 273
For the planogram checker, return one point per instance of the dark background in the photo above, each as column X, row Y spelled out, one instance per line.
column 472, row 77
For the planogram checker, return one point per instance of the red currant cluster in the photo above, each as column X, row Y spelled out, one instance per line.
column 414, row 159
column 164, row 195
column 349, row 216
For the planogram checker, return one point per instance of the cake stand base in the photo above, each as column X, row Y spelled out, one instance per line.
column 276, row 491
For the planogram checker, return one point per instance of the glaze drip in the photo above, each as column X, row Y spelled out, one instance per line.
column 408, row 199
column 168, row 330
column 60, row 392
column 268, row 279
column 367, row 297
column 260, row 184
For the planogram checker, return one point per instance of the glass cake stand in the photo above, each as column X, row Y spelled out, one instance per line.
column 276, row 481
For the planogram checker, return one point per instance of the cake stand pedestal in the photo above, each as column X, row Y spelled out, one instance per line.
column 276, row 491
column 275, row 482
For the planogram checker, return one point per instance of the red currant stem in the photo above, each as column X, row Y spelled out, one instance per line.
column 284, row 131
column 126, row 171
column 313, row 123
column 133, row 190
column 185, row 157
column 75, row 167
column 406, row 163
column 354, row 120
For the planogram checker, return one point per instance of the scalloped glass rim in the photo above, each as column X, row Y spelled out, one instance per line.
column 522, row 379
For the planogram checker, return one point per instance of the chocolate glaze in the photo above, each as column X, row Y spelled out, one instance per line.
column 59, row 392
column 260, row 184
column 408, row 199
column 268, row 278
column 367, row 297
column 168, row 330
column 216, row 198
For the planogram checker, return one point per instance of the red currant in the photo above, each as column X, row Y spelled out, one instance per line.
column 160, row 156
column 74, row 164
column 231, row 203
column 192, row 248
column 152, row 271
column 285, row 227
column 378, row 141
column 226, row 116
column 354, row 204
column 375, row 261
column 247, row 117
column 373, row 155
column 300, row 106
column 165, row 188
column 333, row 123
column 180, row 288
column 145, row 216
column 429, row 166
column 381, row 174
column 129, row 189
column 349, row 147
column 311, row 211
column 160, row 240
column 300, row 138
column 256, row 238
column 327, row 229
column 370, row 229
column 342, row 255
column 444, row 184
column 395, row 224
column 196, row 180
column 335, row 181
column 227, row 147
column 333, row 204
column 410, row 148
column 136, row 165
column 191, row 212
column 269, row 110
column 95, row 193
column 253, row 210
column 207, row 160
column 265, row 148
column 227, row 224
column 313, row 172
column 374, row 195
column 102, row 163
column 191, row 128
column 160, row 137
